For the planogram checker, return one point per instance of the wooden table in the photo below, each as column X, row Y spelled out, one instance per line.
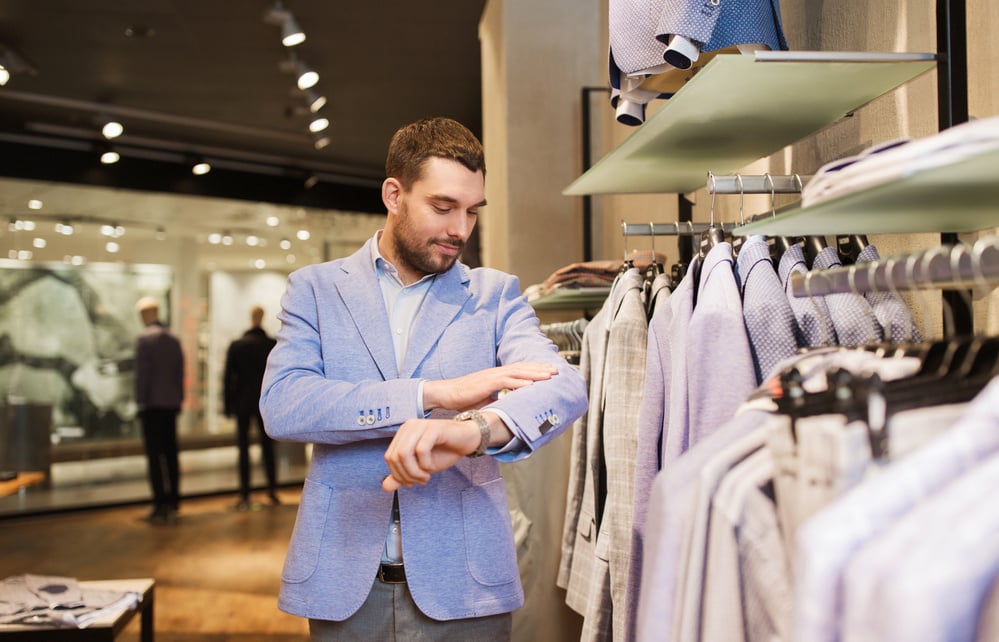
column 101, row 631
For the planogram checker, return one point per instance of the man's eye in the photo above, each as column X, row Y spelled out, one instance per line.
column 442, row 209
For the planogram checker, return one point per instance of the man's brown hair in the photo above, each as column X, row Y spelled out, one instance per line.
column 440, row 137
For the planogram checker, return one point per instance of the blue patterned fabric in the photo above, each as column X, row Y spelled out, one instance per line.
column 897, row 324
column 716, row 24
column 851, row 314
column 769, row 319
column 814, row 325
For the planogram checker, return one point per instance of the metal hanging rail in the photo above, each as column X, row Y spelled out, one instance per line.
column 959, row 266
column 679, row 228
column 756, row 184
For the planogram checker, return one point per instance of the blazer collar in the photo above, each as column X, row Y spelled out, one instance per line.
column 363, row 298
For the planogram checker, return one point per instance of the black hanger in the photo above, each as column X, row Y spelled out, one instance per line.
column 849, row 247
column 812, row 246
column 780, row 244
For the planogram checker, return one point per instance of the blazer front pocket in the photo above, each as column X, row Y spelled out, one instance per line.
column 489, row 547
column 306, row 537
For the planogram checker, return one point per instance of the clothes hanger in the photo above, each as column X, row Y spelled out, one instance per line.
column 778, row 244
column 812, row 245
column 849, row 247
column 715, row 234
column 737, row 241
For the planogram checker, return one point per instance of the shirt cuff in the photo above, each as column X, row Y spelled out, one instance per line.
column 419, row 399
column 512, row 448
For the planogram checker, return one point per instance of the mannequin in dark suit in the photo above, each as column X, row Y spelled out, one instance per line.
column 245, row 362
column 159, row 391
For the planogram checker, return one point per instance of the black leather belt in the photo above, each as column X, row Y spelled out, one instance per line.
column 391, row 574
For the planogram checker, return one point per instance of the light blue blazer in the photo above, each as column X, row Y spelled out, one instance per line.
column 332, row 380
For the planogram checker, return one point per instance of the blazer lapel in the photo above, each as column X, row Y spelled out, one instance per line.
column 444, row 300
column 362, row 296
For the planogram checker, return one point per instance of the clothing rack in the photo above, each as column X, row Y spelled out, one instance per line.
column 677, row 228
column 947, row 267
column 756, row 184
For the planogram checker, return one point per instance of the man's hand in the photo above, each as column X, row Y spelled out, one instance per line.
column 477, row 389
column 422, row 447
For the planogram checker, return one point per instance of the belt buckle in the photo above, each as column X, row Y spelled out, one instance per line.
column 396, row 575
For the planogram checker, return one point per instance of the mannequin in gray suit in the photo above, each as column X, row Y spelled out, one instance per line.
column 403, row 367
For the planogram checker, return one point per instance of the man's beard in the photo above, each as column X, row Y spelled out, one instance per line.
column 422, row 258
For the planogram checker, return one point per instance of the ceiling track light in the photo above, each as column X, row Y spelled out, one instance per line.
column 306, row 77
column 291, row 33
column 201, row 167
column 12, row 63
column 319, row 124
column 320, row 141
column 314, row 100
column 109, row 156
column 111, row 128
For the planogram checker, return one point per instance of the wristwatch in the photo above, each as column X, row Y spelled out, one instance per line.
column 484, row 433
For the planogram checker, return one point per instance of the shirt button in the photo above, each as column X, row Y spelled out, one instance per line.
column 371, row 419
column 360, row 421
column 398, row 331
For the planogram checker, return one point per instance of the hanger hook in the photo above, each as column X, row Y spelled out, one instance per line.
column 711, row 188
column 889, row 273
column 927, row 283
column 956, row 254
column 977, row 256
column 797, row 181
column 767, row 178
column 652, row 239
column 742, row 194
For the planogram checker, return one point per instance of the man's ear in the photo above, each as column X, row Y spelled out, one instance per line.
column 391, row 190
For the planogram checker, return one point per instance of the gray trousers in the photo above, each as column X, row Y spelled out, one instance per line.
column 390, row 614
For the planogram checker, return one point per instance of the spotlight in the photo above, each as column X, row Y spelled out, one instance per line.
column 34, row 204
column 66, row 229
column 110, row 157
column 320, row 141
column 315, row 100
column 4, row 76
column 306, row 76
column 112, row 129
column 201, row 168
column 291, row 33
column 319, row 124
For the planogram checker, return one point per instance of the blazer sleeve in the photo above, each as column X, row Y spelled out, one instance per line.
column 543, row 410
column 320, row 384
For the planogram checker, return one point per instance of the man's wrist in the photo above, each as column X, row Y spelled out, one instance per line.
column 484, row 431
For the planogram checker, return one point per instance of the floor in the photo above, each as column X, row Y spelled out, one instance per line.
column 217, row 570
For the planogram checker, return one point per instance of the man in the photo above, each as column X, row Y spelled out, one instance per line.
column 159, row 391
column 376, row 354
column 245, row 361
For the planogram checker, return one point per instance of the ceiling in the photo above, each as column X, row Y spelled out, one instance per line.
column 210, row 78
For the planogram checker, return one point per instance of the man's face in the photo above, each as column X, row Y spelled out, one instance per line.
column 435, row 217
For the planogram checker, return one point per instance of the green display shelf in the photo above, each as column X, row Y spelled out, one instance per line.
column 959, row 197
column 571, row 299
column 740, row 108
